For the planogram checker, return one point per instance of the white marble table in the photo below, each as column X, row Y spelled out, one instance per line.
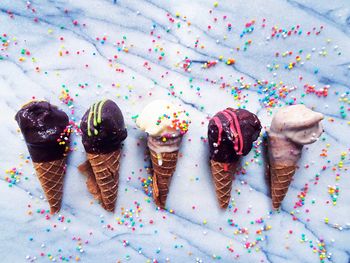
column 137, row 51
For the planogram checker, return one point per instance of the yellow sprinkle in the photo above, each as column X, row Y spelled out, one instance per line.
column 340, row 164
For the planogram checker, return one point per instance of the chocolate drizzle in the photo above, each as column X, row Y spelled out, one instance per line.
column 231, row 134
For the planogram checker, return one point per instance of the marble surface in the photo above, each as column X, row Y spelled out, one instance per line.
column 74, row 53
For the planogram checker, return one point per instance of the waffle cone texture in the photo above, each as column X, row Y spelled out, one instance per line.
column 283, row 158
column 102, row 171
column 51, row 175
column 164, row 165
column 281, row 178
column 223, row 175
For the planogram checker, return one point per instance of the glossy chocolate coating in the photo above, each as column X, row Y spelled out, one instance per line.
column 42, row 125
column 110, row 132
column 224, row 151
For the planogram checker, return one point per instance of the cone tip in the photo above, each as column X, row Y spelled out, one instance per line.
column 159, row 204
column 276, row 206
column 108, row 208
column 223, row 205
column 54, row 210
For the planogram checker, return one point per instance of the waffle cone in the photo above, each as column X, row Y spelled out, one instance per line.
column 281, row 177
column 283, row 157
column 162, row 172
column 223, row 175
column 103, row 184
column 51, row 176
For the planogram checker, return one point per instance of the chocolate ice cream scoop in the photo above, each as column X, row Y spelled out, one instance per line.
column 44, row 127
column 103, row 128
column 231, row 133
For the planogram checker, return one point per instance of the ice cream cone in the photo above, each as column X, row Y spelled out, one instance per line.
column 231, row 133
column 166, row 124
column 51, row 176
column 291, row 128
column 106, row 171
column 46, row 131
column 283, row 157
column 103, row 131
column 164, row 165
column 223, row 175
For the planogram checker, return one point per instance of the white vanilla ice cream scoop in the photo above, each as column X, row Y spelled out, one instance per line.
column 165, row 124
column 291, row 128
column 297, row 123
column 161, row 118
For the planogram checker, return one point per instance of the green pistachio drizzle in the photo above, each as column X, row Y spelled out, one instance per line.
column 95, row 113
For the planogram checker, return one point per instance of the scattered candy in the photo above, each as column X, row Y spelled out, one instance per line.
column 162, row 53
